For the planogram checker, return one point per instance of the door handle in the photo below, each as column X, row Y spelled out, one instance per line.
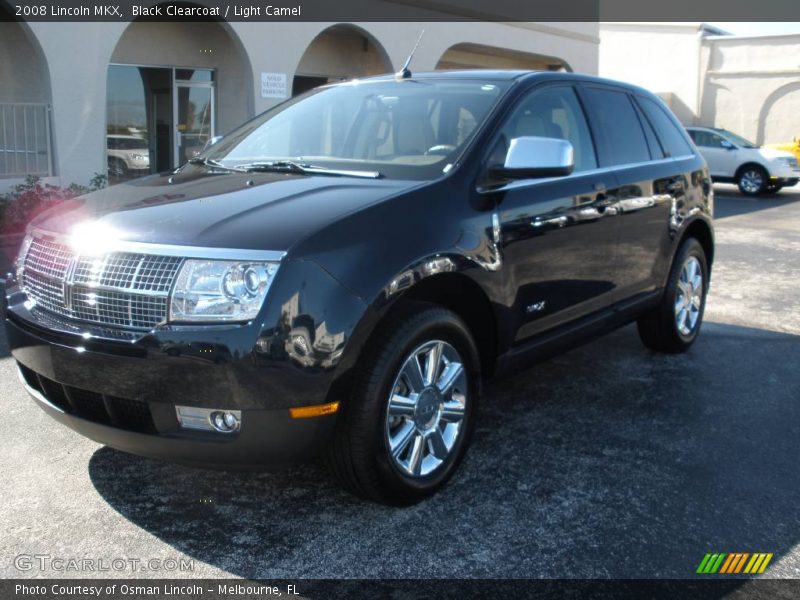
column 633, row 204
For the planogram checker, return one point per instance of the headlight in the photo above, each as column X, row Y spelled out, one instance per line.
column 23, row 252
column 788, row 161
column 220, row 290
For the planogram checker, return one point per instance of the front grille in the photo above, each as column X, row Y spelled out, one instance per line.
column 125, row 413
column 120, row 289
column 89, row 405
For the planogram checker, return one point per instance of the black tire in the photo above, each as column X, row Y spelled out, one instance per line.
column 658, row 329
column 752, row 180
column 117, row 169
column 359, row 456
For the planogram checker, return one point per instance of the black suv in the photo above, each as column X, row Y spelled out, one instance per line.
column 337, row 275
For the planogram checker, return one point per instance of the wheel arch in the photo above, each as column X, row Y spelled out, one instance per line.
column 703, row 233
column 452, row 289
column 751, row 163
column 465, row 297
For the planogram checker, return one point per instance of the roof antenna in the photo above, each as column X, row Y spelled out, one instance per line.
column 405, row 72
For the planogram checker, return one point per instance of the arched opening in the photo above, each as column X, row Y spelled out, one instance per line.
column 171, row 87
column 478, row 56
column 779, row 120
column 25, row 134
column 339, row 52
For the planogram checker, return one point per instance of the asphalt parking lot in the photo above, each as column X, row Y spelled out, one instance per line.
column 608, row 461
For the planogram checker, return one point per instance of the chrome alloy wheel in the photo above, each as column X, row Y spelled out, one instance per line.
column 752, row 181
column 426, row 408
column 689, row 296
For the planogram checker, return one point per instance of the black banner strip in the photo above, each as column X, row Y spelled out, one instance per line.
column 408, row 589
column 398, row 10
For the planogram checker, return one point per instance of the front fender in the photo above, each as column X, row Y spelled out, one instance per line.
column 309, row 318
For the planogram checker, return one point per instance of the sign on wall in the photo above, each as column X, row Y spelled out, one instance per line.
column 273, row 85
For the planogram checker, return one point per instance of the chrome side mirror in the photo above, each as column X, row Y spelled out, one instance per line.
column 212, row 141
column 532, row 157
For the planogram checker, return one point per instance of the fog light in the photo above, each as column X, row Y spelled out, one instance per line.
column 209, row 419
column 224, row 422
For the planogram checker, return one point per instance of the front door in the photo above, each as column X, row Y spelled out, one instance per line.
column 558, row 236
column 194, row 118
column 722, row 160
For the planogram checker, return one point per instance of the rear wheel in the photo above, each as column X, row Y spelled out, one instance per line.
column 405, row 429
column 674, row 324
column 752, row 180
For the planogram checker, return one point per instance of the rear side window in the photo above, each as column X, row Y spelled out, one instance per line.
column 671, row 137
column 617, row 125
column 656, row 151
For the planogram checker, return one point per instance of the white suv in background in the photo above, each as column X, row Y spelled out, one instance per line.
column 128, row 155
column 733, row 159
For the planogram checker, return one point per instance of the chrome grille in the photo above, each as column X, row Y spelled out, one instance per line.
column 120, row 289
column 49, row 259
column 48, row 293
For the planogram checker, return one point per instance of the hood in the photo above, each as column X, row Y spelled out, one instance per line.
column 250, row 211
column 771, row 153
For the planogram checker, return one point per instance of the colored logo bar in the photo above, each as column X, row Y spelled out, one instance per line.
column 734, row 563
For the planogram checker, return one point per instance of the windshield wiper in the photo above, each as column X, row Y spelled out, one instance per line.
column 291, row 166
column 210, row 162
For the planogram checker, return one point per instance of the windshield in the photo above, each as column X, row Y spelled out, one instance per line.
column 737, row 139
column 407, row 129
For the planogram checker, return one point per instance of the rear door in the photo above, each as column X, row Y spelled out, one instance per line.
column 649, row 156
column 648, row 181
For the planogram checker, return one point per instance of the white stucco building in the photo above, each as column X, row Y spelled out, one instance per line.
column 750, row 85
column 65, row 87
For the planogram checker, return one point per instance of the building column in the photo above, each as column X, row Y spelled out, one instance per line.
column 77, row 55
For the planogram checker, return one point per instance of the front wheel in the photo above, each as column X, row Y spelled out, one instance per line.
column 674, row 324
column 405, row 429
column 117, row 169
column 752, row 180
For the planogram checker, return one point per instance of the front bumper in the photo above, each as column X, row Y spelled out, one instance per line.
column 121, row 388
column 785, row 172
column 267, row 437
column 128, row 403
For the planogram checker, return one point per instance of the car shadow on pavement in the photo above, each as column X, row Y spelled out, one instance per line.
column 608, row 461
column 730, row 202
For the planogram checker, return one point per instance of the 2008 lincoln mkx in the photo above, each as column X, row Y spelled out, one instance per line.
column 337, row 276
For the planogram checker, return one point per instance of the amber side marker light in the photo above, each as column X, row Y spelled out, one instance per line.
column 319, row 410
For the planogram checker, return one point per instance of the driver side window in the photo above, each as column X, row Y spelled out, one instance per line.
column 552, row 112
